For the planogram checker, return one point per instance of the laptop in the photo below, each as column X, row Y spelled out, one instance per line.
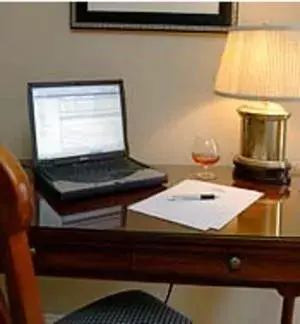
column 79, row 140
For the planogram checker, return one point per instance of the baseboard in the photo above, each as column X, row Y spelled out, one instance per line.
column 51, row 318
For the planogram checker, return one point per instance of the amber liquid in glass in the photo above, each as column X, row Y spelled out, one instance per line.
column 205, row 160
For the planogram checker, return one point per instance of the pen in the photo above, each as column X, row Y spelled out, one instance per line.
column 192, row 197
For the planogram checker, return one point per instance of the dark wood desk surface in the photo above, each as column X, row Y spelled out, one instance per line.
column 259, row 248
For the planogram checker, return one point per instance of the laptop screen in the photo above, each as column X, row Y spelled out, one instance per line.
column 75, row 119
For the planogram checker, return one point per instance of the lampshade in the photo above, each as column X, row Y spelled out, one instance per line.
column 261, row 63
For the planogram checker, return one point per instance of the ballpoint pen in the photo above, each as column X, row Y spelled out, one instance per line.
column 192, row 197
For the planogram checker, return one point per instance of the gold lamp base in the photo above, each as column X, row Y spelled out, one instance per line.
column 263, row 145
column 271, row 176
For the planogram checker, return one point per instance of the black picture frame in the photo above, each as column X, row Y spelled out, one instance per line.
column 82, row 18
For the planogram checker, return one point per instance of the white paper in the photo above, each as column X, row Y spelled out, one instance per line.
column 200, row 214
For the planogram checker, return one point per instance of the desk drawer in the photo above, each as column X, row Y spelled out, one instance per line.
column 219, row 266
column 181, row 265
column 94, row 264
column 80, row 253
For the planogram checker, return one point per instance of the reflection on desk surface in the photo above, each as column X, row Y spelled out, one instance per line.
column 261, row 219
column 102, row 218
column 275, row 215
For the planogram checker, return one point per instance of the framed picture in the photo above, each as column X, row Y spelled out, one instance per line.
column 157, row 16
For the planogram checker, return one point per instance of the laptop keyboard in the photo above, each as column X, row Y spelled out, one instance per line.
column 93, row 171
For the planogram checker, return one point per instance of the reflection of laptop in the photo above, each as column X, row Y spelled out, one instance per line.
column 100, row 218
column 79, row 139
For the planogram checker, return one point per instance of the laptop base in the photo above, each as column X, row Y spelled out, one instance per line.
column 70, row 191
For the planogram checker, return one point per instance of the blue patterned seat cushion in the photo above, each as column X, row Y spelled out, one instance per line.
column 128, row 307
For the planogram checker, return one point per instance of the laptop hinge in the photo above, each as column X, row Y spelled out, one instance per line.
column 79, row 159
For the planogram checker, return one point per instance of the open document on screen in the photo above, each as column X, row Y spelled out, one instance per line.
column 77, row 120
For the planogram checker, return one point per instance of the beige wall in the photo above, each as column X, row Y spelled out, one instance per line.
column 169, row 83
column 169, row 77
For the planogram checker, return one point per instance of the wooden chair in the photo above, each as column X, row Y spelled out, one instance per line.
column 24, row 303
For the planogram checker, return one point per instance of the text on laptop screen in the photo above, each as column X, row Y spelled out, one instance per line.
column 74, row 120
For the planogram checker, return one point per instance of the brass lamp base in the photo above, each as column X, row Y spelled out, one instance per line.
column 272, row 176
column 262, row 155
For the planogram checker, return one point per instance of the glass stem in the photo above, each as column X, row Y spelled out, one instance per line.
column 205, row 167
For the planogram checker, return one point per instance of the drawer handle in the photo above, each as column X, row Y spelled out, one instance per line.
column 235, row 263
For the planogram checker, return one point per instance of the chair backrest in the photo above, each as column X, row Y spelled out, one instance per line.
column 16, row 210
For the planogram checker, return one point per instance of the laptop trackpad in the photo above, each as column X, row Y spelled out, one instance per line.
column 67, row 186
column 139, row 175
column 91, row 176
column 142, row 174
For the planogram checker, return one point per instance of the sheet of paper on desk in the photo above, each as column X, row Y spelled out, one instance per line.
column 200, row 214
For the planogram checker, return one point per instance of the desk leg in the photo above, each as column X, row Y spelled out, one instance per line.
column 287, row 311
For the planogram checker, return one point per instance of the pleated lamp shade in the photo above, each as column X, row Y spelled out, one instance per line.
column 260, row 63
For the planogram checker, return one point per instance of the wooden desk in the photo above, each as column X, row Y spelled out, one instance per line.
column 259, row 248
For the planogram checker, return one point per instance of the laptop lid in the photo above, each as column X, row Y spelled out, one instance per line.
column 77, row 120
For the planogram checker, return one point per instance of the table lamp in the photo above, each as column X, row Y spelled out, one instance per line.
column 261, row 64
